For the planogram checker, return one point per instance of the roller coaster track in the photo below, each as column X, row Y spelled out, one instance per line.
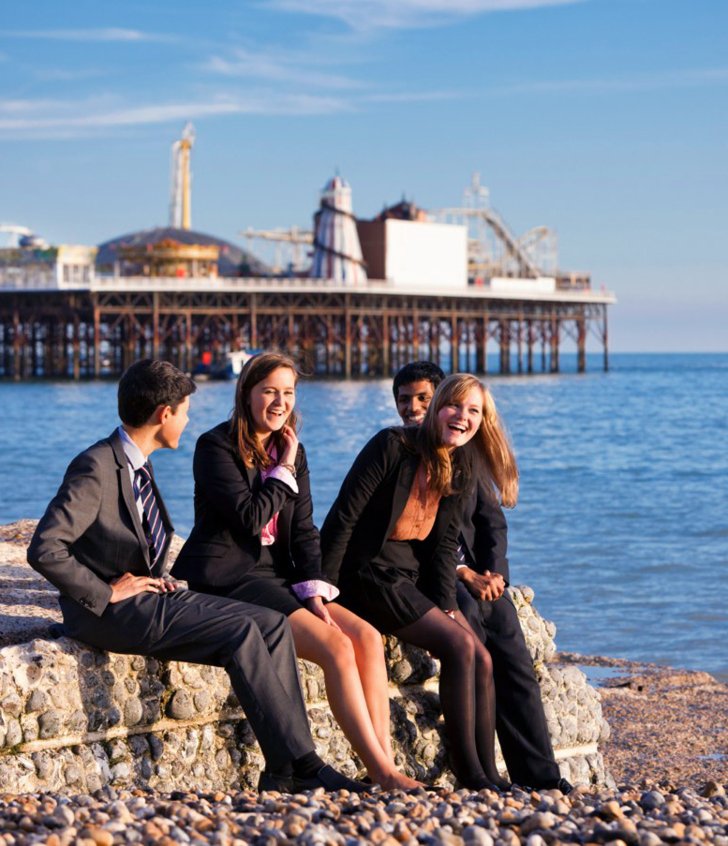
column 526, row 266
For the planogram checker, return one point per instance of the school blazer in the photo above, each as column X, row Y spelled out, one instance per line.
column 484, row 532
column 232, row 505
column 91, row 533
column 371, row 500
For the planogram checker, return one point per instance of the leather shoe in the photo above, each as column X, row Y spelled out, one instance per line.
column 564, row 786
column 330, row 779
column 275, row 781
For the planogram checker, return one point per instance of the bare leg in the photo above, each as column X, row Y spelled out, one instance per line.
column 333, row 651
column 369, row 655
column 466, row 722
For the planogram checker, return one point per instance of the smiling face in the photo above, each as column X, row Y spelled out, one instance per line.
column 271, row 402
column 460, row 419
column 413, row 400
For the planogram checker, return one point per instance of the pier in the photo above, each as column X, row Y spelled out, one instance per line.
column 347, row 331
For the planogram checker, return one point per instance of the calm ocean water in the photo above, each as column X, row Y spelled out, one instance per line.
column 622, row 524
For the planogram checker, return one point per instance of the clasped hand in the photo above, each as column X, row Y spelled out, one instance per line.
column 130, row 585
column 484, row 586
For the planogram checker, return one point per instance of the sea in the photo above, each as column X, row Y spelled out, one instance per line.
column 621, row 528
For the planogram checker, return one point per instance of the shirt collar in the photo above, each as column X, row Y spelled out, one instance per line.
column 134, row 455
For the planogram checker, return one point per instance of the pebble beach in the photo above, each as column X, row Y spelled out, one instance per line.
column 667, row 753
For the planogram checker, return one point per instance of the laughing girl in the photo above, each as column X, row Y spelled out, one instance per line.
column 254, row 540
column 390, row 542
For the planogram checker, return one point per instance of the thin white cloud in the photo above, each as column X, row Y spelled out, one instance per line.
column 404, row 14
column 689, row 78
column 94, row 35
column 47, row 118
column 277, row 66
column 66, row 74
column 411, row 96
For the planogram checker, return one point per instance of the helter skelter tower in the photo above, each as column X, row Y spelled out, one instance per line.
column 180, row 200
column 337, row 251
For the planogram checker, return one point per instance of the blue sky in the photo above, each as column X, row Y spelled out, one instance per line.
column 604, row 119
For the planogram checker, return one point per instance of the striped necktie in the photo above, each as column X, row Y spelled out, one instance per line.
column 152, row 521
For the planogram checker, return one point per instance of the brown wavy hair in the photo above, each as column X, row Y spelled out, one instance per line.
column 451, row 472
column 242, row 427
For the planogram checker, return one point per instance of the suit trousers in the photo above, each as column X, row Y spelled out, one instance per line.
column 520, row 719
column 253, row 644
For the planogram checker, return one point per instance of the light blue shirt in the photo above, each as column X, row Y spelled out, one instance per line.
column 136, row 459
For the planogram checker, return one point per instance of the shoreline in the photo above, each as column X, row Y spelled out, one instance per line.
column 668, row 725
column 667, row 752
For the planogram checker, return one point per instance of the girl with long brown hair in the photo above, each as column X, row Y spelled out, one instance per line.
column 390, row 542
column 254, row 539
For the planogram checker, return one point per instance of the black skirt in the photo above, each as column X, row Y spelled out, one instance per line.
column 260, row 586
column 385, row 592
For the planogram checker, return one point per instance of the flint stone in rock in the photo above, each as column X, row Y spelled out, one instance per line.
column 53, row 690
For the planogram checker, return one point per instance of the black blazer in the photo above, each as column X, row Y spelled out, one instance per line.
column 484, row 532
column 91, row 533
column 232, row 505
column 372, row 497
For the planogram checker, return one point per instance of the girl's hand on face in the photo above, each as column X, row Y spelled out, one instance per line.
column 290, row 445
column 316, row 606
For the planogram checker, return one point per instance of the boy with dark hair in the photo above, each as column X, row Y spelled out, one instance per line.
column 103, row 542
column 482, row 579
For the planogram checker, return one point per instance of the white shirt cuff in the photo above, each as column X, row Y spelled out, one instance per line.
column 284, row 476
column 315, row 587
column 460, row 566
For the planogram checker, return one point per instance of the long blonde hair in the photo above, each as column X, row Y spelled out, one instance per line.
column 242, row 427
column 449, row 472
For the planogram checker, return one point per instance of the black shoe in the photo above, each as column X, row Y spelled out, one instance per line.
column 330, row 779
column 275, row 781
column 564, row 786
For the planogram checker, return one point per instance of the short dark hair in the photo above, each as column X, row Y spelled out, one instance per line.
column 417, row 371
column 147, row 384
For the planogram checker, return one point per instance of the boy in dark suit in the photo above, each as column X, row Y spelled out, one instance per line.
column 482, row 580
column 103, row 542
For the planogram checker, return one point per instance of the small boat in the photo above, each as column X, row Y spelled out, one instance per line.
column 229, row 368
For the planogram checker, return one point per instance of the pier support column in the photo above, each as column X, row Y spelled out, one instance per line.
column 554, row 357
column 76, row 348
column 347, row 336
column 519, row 341
column 454, row 344
column 605, row 338
column 253, row 321
column 580, row 345
column 529, row 346
column 386, row 345
column 505, row 346
column 97, row 340
column 155, row 324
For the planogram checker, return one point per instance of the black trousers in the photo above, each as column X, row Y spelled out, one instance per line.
column 253, row 644
column 520, row 719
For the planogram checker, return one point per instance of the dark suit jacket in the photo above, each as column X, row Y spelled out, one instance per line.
column 232, row 505
column 372, row 497
column 91, row 533
column 484, row 532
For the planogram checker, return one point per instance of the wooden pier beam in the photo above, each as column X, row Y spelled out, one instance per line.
column 554, row 356
column 581, row 344
column 505, row 346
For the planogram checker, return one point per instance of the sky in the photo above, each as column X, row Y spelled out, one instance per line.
column 603, row 119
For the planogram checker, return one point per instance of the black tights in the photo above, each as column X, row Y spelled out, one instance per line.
column 467, row 694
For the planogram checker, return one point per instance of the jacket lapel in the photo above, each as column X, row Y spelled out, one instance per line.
column 127, row 493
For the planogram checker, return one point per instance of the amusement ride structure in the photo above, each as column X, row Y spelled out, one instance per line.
column 357, row 298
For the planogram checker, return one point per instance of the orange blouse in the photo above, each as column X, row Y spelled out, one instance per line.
column 418, row 517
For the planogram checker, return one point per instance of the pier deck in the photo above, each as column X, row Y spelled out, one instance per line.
column 333, row 330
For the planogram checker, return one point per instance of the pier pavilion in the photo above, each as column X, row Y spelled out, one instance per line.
column 369, row 329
